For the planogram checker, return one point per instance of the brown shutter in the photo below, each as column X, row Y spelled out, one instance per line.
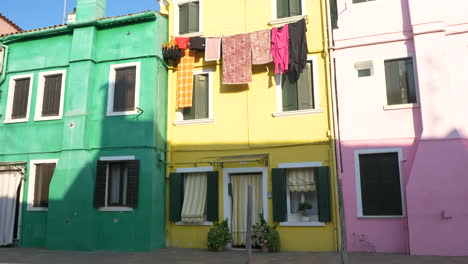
column 132, row 183
column 20, row 98
column 52, row 93
column 100, row 187
column 124, row 89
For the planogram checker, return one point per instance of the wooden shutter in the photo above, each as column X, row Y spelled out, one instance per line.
column 183, row 18
column 20, row 98
column 176, row 196
column 133, row 167
column 193, row 17
column 295, row 8
column 100, row 187
column 282, row 8
column 323, row 193
column 334, row 14
column 289, row 93
column 124, row 89
column 305, row 88
column 44, row 173
column 279, row 192
column 52, row 93
column 212, row 194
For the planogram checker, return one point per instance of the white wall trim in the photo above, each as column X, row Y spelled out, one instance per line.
column 274, row 13
column 11, row 93
column 40, row 95
column 175, row 11
column 110, row 96
column 112, row 158
column 300, row 164
column 316, row 91
column 206, row 223
column 314, row 223
column 115, row 209
column 227, row 200
column 194, row 169
column 32, row 183
column 357, row 172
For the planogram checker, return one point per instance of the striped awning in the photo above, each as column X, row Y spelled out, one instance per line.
column 301, row 180
column 193, row 207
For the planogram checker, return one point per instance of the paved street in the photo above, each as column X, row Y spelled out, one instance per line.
column 195, row 256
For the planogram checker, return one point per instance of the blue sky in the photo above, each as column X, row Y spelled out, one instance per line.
column 32, row 14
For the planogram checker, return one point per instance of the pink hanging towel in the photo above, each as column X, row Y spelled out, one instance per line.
column 237, row 59
column 212, row 49
column 261, row 47
column 280, row 48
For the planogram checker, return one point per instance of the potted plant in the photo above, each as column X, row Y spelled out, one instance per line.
column 260, row 233
column 219, row 235
column 302, row 208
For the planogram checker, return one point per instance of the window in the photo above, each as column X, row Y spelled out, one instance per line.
column 361, row 1
column 364, row 69
column 50, row 94
column 124, row 89
column 40, row 177
column 296, row 183
column 379, row 183
column 399, row 78
column 116, row 184
column 201, row 111
column 288, row 8
column 189, row 17
column 19, row 98
column 298, row 94
column 194, row 196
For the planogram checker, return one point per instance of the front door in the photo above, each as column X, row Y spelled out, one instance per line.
column 10, row 189
column 240, row 183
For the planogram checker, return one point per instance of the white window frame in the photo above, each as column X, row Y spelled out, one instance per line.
column 296, row 165
column 110, row 97
column 279, row 94
column 357, row 172
column 180, row 116
column 40, row 95
column 279, row 21
column 107, row 208
column 362, row 65
column 194, row 170
column 11, row 94
column 176, row 4
column 32, row 183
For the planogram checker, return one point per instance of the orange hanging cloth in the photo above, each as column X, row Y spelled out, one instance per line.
column 185, row 79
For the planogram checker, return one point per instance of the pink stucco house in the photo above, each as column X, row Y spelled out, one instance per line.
column 401, row 91
column 7, row 26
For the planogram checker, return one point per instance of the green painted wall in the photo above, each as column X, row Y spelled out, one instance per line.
column 87, row 54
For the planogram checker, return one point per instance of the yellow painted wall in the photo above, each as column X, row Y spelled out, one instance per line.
column 244, row 123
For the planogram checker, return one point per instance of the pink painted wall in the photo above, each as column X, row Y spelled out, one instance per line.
column 432, row 135
column 5, row 27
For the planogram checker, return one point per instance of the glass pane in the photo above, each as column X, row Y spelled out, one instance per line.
column 289, row 93
column 124, row 89
column 311, row 197
column 183, row 19
column 305, row 94
column 114, row 183
column 295, row 7
column 364, row 72
column 392, row 80
column 193, row 17
column 44, row 173
column 282, row 8
column 294, row 199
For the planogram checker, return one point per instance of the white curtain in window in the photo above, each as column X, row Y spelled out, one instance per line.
column 301, row 179
column 193, row 207
column 9, row 182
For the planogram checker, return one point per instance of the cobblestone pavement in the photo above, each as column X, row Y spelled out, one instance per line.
column 197, row 256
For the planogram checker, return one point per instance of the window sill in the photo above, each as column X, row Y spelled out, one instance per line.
column 313, row 223
column 400, row 106
column 192, row 34
column 10, row 121
column 45, row 118
column 115, row 209
column 194, row 224
column 298, row 113
column 285, row 20
column 38, row 209
column 203, row 121
column 122, row 113
column 380, row 216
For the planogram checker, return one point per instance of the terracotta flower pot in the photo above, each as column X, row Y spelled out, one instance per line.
column 221, row 248
column 264, row 248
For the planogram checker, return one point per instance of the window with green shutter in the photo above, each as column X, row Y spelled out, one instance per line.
column 189, row 15
column 400, row 83
column 288, row 8
column 298, row 92
column 200, row 96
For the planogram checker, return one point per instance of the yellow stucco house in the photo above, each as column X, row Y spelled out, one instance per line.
column 246, row 134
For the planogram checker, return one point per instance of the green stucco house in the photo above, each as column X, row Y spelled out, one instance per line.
column 83, row 133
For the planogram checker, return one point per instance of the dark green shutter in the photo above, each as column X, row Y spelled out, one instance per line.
column 334, row 14
column 100, row 187
column 132, row 183
column 289, row 93
column 176, row 196
column 295, row 8
column 183, row 19
column 305, row 96
column 282, row 9
column 193, row 17
column 212, row 202
column 323, row 193
column 279, row 192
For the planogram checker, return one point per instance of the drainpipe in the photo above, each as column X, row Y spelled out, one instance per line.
column 5, row 62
